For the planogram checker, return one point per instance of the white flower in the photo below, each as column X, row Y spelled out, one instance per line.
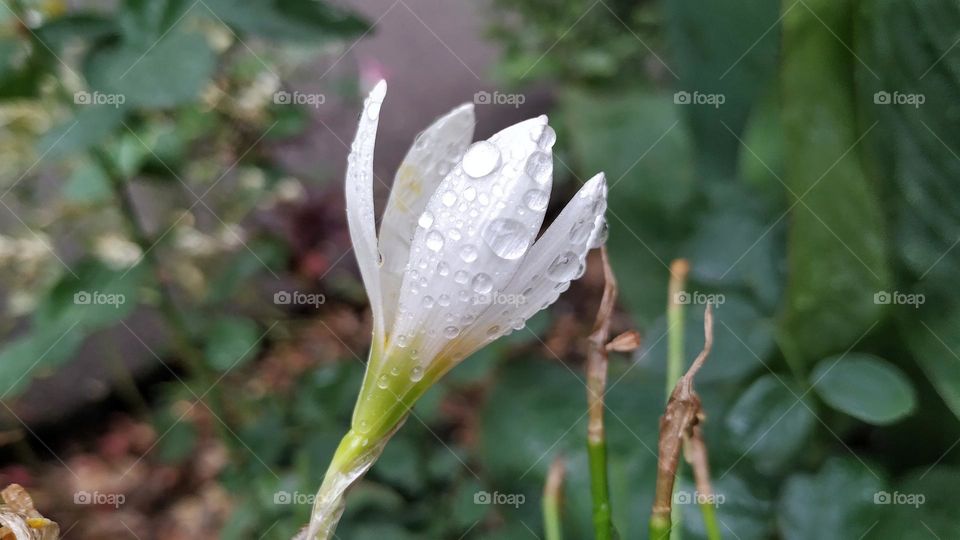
column 458, row 233
column 457, row 264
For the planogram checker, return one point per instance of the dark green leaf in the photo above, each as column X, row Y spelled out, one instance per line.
column 231, row 342
column 771, row 422
column 288, row 20
column 836, row 243
column 865, row 387
column 836, row 503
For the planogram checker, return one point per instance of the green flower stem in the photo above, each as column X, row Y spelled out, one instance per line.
column 710, row 521
column 384, row 402
column 660, row 527
column 552, row 494
column 675, row 364
column 602, row 518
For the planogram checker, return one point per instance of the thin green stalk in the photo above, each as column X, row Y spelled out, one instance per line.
column 675, row 359
column 710, row 520
column 552, row 495
column 596, row 388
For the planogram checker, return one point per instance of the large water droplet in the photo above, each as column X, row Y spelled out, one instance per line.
column 449, row 198
column 451, row 332
column 416, row 373
column 468, row 253
column 426, row 220
column 564, row 267
column 601, row 236
column 536, row 199
column 539, row 167
column 507, row 237
column 481, row 159
column 434, row 240
column 482, row 283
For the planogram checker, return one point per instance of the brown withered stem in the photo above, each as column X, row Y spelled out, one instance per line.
column 679, row 423
column 596, row 387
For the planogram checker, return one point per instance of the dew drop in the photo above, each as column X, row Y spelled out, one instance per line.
column 461, row 276
column 434, row 240
column 363, row 426
column 382, row 382
column 416, row 373
column 454, row 234
column 444, row 300
column 443, row 268
column 507, row 237
column 449, row 198
column 601, row 236
column 402, row 340
column 493, row 330
column 536, row 199
column 395, row 370
column 470, row 194
column 427, row 302
column 482, row 283
column 580, row 231
column 539, row 167
column 564, row 267
column 426, row 220
column 451, row 332
column 468, row 253
column 481, row 159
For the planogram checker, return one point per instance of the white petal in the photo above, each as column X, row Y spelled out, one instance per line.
column 473, row 234
column 557, row 258
column 360, row 212
column 434, row 153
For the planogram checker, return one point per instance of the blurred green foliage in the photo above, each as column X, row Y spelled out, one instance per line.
column 815, row 209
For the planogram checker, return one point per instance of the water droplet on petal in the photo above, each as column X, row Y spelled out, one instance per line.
column 427, row 302
column 581, row 231
column 454, row 234
column 536, row 199
column 461, row 277
column 507, row 237
column 451, row 332
column 395, row 370
column 482, row 283
column 468, row 253
column 443, row 268
column 416, row 373
column 402, row 340
column 601, row 237
column 539, row 167
column 444, row 300
column 426, row 220
column 481, row 159
column 470, row 193
column 493, row 330
column 564, row 267
column 382, row 382
column 434, row 240
column 449, row 198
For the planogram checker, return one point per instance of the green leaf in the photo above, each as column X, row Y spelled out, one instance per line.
column 87, row 184
column 171, row 72
column 771, row 422
column 231, row 342
column 89, row 127
column 836, row 247
column 921, row 505
column 865, row 387
column 40, row 349
column 836, row 503
column 727, row 50
column 97, row 297
column 931, row 335
column 639, row 141
column 288, row 20
column 89, row 27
